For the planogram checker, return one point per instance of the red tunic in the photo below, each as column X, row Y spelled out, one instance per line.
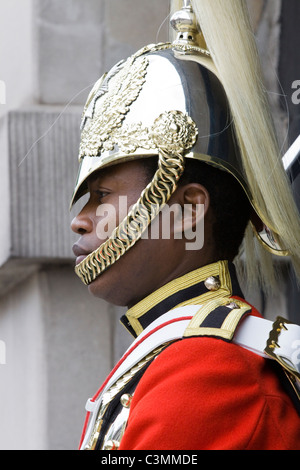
column 207, row 394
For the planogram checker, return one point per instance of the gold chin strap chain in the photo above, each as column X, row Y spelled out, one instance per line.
column 173, row 134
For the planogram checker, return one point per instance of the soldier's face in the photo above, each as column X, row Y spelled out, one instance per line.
column 135, row 274
column 153, row 260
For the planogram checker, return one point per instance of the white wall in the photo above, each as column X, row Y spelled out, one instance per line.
column 23, row 379
column 17, row 73
column 58, row 352
column 17, row 68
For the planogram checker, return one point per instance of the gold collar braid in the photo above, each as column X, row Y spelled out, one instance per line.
column 211, row 282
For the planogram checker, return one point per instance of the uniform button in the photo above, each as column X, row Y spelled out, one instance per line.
column 126, row 400
column 111, row 445
column 232, row 305
column 212, row 283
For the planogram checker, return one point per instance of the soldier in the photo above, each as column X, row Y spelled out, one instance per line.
column 186, row 124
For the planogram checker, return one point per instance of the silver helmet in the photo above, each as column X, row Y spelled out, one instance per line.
column 165, row 101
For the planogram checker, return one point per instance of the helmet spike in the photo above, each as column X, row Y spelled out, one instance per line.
column 188, row 31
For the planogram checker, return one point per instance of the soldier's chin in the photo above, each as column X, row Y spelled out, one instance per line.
column 97, row 287
column 100, row 290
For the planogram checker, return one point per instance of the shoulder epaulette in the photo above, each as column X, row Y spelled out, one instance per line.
column 218, row 318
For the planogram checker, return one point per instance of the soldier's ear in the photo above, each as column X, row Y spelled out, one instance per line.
column 194, row 201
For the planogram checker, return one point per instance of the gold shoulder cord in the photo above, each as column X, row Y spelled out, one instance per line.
column 113, row 392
